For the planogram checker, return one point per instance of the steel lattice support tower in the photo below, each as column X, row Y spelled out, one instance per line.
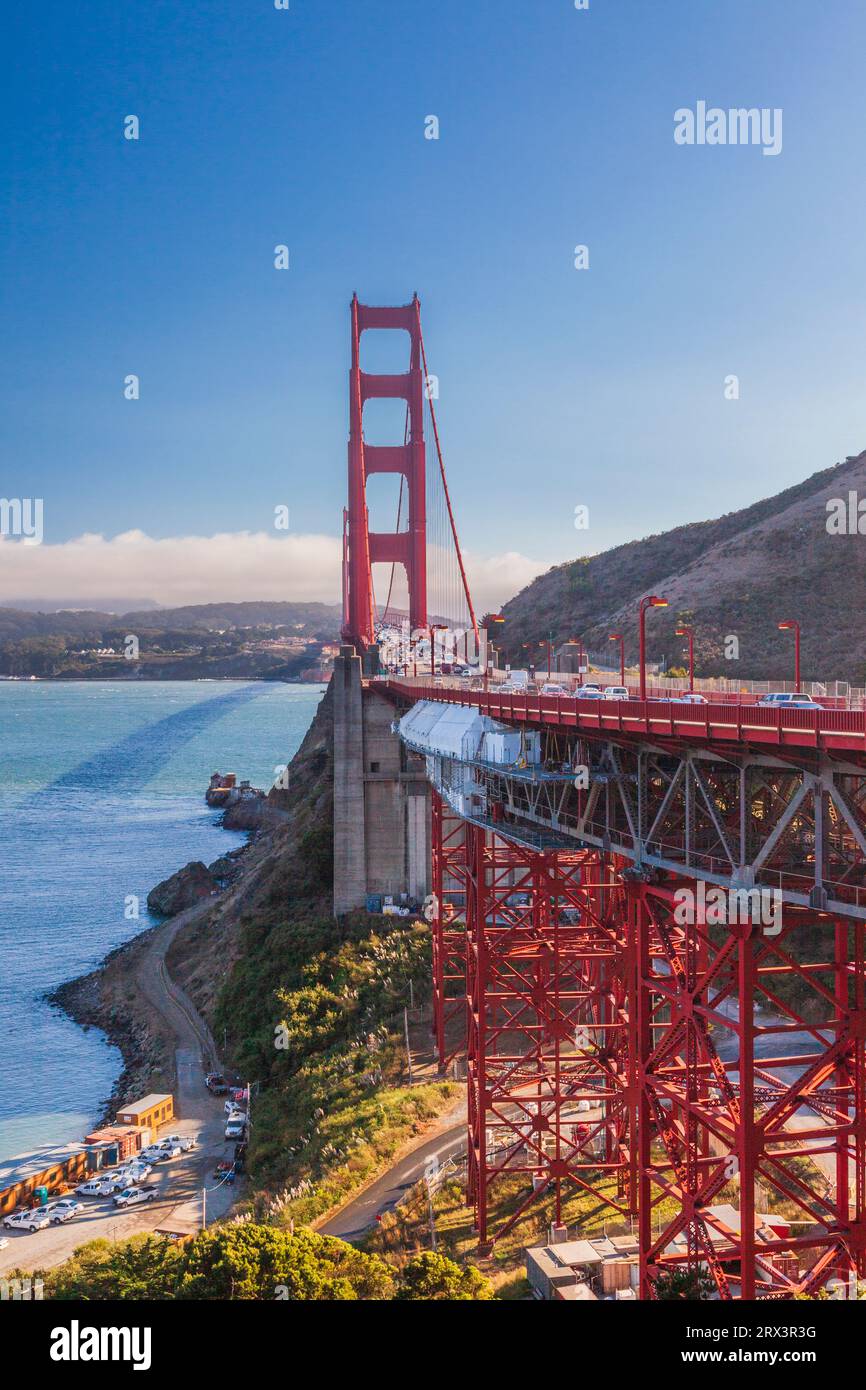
column 448, row 856
column 361, row 547
column 732, row 1106
column 547, row 1082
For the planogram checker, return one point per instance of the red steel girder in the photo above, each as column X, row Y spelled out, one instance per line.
column 547, row 1085
column 745, row 1099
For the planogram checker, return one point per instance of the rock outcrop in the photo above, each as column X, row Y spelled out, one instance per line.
column 183, row 889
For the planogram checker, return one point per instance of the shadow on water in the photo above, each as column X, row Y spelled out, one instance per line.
column 151, row 747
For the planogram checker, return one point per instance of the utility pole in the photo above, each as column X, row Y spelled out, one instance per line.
column 204, row 1208
column 408, row 1049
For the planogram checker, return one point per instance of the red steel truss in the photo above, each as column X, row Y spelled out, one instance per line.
column 741, row 1098
column 547, row 1029
column 621, row 1044
column 448, row 916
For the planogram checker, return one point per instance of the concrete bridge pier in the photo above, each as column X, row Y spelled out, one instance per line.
column 381, row 797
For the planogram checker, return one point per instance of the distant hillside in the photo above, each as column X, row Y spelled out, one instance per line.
column 740, row 574
column 211, row 617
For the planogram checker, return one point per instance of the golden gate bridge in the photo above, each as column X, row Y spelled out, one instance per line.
column 625, row 1035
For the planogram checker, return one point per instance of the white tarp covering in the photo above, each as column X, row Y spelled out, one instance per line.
column 454, row 731
column 461, row 732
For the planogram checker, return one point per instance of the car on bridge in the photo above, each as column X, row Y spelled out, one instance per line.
column 789, row 699
column 615, row 692
column 691, row 697
column 553, row 688
column 588, row 692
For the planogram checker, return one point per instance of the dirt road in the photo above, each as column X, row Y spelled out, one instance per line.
column 181, row 1180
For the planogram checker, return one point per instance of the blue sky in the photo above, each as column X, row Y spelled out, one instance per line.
column 558, row 387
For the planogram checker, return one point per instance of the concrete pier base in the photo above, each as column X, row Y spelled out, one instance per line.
column 381, row 797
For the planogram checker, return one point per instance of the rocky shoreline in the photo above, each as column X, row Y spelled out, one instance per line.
column 92, row 1001
column 107, row 998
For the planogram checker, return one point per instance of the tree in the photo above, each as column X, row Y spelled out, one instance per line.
column 143, row 1267
column 683, row 1285
column 250, row 1261
column 431, row 1277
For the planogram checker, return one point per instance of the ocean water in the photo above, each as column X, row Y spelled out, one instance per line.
column 102, row 796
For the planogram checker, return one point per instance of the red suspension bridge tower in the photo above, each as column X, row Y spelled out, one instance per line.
column 363, row 548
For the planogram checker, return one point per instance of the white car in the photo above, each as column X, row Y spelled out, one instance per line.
column 131, row 1196
column 615, row 692
column 235, row 1128
column 91, row 1188
column 101, row 1187
column 184, row 1142
column 169, row 1151
column 591, row 685
column 552, row 688
column 777, row 697
column 128, row 1176
column 691, row 697
column 148, row 1155
column 34, row 1219
column 63, row 1210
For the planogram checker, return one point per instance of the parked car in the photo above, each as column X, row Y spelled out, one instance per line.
column 140, row 1168
column 151, row 1154
column 91, row 1188
column 184, row 1142
column 102, row 1186
column 167, row 1152
column 63, row 1210
column 31, row 1219
column 134, row 1173
column 236, row 1128
column 615, row 692
column 131, row 1196
column 216, row 1084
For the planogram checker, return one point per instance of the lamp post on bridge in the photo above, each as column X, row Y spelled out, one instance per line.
column 687, row 631
column 486, row 623
column 548, row 643
column 618, row 637
column 434, row 628
column 650, row 601
column 792, row 626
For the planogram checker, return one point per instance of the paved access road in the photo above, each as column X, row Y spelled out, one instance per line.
column 356, row 1219
column 181, row 1179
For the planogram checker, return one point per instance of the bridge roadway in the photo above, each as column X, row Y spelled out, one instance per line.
column 720, row 723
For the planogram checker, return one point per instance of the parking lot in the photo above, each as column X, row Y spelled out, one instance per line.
column 178, row 1183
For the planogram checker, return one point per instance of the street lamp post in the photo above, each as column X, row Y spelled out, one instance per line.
column 792, row 626
column 650, row 601
column 547, row 641
column 486, row 623
column 434, row 628
column 689, row 632
column 618, row 637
